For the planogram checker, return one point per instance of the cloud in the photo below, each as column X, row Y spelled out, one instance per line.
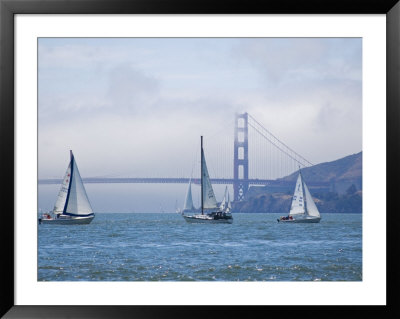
column 131, row 90
column 138, row 107
column 288, row 60
column 309, row 94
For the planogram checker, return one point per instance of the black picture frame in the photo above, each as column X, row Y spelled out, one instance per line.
column 8, row 10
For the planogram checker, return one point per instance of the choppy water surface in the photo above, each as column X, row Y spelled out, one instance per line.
column 163, row 247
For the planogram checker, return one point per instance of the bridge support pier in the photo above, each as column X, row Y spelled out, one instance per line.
column 240, row 157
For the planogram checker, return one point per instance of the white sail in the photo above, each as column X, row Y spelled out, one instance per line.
column 224, row 203
column 312, row 209
column 298, row 199
column 77, row 199
column 209, row 200
column 62, row 194
column 188, row 206
column 228, row 207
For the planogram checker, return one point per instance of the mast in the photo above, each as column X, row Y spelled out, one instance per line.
column 201, row 173
column 70, row 179
column 304, row 193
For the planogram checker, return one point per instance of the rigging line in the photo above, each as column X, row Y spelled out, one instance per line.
column 281, row 148
column 276, row 139
column 273, row 143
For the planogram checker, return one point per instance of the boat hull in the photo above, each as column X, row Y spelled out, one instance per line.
column 204, row 219
column 300, row 220
column 67, row 221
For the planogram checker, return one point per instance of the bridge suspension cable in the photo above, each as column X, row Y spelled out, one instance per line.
column 259, row 128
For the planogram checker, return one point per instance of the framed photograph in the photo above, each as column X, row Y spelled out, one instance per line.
column 124, row 90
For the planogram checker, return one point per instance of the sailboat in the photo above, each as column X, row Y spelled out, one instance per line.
column 72, row 205
column 188, row 204
column 303, row 209
column 208, row 200
column 225, row 205
column 177, row 209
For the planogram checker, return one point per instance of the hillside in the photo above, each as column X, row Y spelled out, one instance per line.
column 342, row 173
column 344, row 195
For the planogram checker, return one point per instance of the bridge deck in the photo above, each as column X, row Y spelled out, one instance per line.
column 158, row 180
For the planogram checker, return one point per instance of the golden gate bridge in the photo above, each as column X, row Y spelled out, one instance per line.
column 271, row 160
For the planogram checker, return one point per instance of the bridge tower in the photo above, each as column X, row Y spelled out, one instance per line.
column 240, row 157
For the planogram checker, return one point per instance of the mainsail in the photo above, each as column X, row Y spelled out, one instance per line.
column 62, row 194
column 72, row 199
column 188, row 206
column 298, row 198
column 209, row 200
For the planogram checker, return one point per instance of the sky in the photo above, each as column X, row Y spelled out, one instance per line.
column 137, row 106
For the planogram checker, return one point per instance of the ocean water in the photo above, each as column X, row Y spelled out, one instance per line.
column 164, row 247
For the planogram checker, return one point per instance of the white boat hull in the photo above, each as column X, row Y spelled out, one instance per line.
column 205, row 219
column 67, row 221
column 301, row 220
